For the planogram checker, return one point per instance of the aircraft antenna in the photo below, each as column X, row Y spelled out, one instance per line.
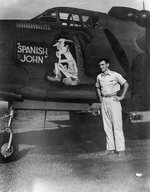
column 143, row 5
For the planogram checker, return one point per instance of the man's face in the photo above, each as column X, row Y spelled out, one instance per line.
column 103, row 66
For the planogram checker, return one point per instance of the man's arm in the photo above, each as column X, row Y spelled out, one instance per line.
column 97, row 85
column 99, row 94
column 125, row 88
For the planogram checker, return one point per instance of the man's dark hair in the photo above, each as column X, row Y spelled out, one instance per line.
column 103, row 59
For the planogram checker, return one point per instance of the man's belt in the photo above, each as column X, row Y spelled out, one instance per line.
column 109, row 95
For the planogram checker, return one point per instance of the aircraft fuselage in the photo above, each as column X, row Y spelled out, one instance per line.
column 28, row 54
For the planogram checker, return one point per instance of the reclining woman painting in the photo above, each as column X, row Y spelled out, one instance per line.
column 66, row 68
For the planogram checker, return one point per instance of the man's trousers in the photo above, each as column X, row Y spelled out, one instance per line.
column 112, row 121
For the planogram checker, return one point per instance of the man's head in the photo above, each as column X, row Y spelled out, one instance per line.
column 103, row 64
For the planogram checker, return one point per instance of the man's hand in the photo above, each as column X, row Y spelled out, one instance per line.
column 119, row 98
column 100, row 99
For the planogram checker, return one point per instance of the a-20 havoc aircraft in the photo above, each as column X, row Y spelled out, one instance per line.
column 50, row 62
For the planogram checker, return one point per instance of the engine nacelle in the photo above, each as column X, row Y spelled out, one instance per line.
column 143, row 18
column 123, row 13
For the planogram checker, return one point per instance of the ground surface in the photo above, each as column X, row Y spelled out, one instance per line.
column 71, row 168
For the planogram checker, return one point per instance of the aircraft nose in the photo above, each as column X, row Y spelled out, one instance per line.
column 12, row 76
column 6, row 39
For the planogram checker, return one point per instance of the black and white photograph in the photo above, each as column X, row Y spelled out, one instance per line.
column 74, row 95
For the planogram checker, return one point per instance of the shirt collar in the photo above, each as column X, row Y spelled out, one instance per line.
column 105, row 74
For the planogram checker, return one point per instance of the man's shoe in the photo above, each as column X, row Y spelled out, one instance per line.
column 107, row 152
column 121, row 154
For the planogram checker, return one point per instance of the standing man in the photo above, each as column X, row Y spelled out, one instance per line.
column 108, row 83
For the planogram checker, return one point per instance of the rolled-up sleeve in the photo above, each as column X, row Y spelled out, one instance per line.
column 120, row 79
column 97, row 85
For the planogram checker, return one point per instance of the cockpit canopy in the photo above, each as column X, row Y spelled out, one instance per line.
column 69, row 17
